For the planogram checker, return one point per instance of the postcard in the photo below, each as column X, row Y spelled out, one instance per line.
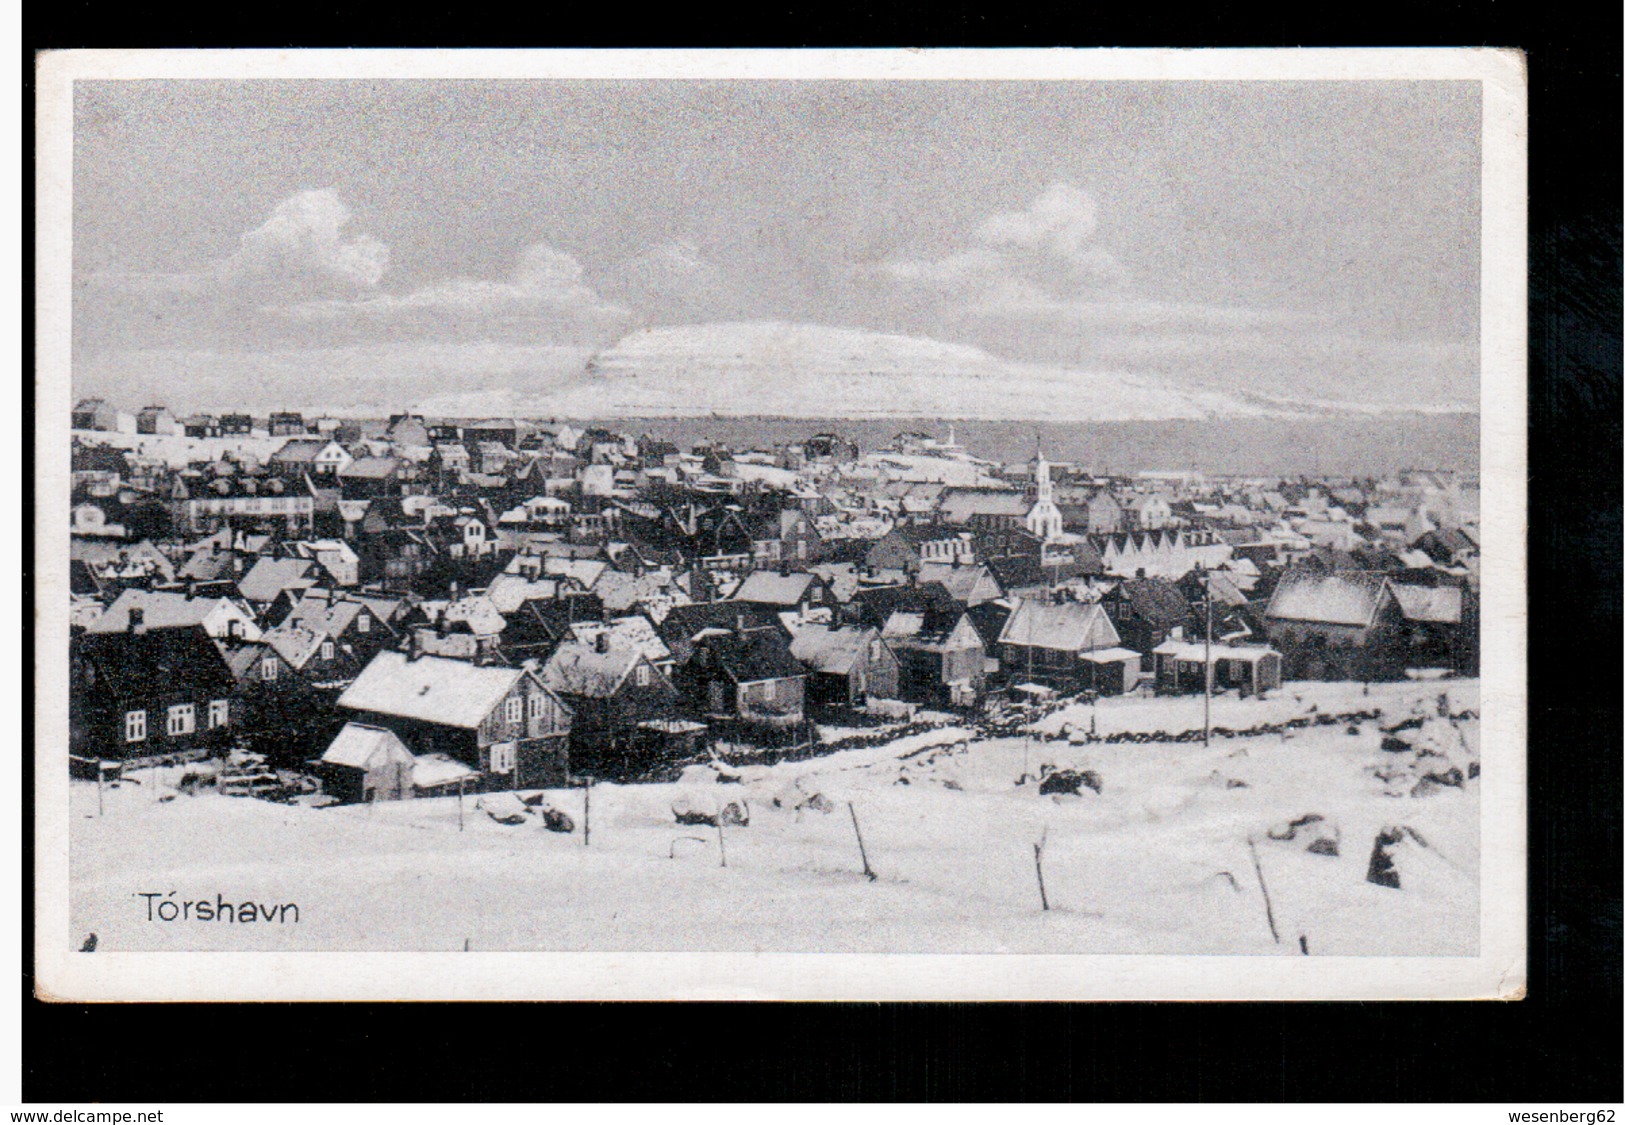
column 947, row 524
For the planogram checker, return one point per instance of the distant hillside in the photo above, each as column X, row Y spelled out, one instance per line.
column 800, row 370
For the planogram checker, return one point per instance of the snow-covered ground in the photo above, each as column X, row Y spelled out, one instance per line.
column 1158, row 862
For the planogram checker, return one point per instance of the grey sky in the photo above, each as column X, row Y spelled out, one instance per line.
column 1312, row 239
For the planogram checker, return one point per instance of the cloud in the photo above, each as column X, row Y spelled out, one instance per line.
column 303, row 246
column 1018, row 262
column 1060, row 221
column 546, row 295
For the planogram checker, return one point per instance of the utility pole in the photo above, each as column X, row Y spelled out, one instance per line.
column 1207, row 659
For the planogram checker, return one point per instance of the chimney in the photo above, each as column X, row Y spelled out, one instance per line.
column 739, row 623
column 414, row 645
column 601, row 642
column 191, row 590
column 138, row 618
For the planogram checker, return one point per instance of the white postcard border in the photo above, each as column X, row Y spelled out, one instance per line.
column 1497, row 972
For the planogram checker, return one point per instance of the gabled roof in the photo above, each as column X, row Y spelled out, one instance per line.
column 767, row 587
column 1434, row 604
column 135, row 666
column 684, row 622
column 959, row 581
column 370, row 468
column 580, row 669
column 832, row 649
column 1333, row 597
column 958, row 505
column 430, row 689
column 760, row 654
column 634, row 632
column 329, row 616
column 295, row 643
column 1063, row 626
column 930, row 601
column 268, row 577
column 507, row 592
column 163, row 609
column 1156, row 600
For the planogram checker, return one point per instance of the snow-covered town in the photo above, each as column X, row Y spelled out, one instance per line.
column 578, row 688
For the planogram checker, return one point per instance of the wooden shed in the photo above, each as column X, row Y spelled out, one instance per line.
column 367, row 763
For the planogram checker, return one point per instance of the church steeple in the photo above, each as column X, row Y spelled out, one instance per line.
column 1043, row 518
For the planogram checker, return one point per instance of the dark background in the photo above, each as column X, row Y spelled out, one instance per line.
column 1563, row 1043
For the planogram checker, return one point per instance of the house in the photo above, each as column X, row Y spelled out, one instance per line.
column 144, row 694
column 1104, row 514
column 632, row 631
column 342, row 618
column 220, row 617
column 684, row 624
column 201, row 426
column 1246, row 669
column 1049, row 643
column 1148, row 512
column 783, row 591
column 366, row 763
column 909, row 546
column 367, row 478
column 611, row 689
column 335, row 556
column 240, row 501
column 744, row 676
column 156, row 420
column 236, row 425
column 503, row 723
column 940, row 655
column 846, row 664
column 286, row 424
column 986, row 508
column 408, row 431
column 1146, row 612
column 967, row 585
column 317, row 457
column 95, row 414
column 269, row 577
column 322, row 662
column 1441, row 626
column 1336, row 625
column 788, row 536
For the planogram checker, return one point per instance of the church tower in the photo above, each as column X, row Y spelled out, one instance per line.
column 1044, row 518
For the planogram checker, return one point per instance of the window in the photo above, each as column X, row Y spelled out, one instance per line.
column 767, row 691
column 643, row 675
column 182, row 719
column 135, row 726
column 502, row 757
column 363, row 623
column 516, row 709
column 219, row 712
column 268, row 669
column 538, row 705
column 327, row 650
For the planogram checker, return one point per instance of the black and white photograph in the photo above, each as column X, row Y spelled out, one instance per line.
column 782, row 525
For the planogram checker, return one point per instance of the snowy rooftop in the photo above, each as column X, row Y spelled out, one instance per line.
column 1343, row 597
column 357, row 744
column 1068, row 626
column 1429, row 603
column 432, row 689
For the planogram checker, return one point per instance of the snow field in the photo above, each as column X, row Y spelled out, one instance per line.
column 1158, row 862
